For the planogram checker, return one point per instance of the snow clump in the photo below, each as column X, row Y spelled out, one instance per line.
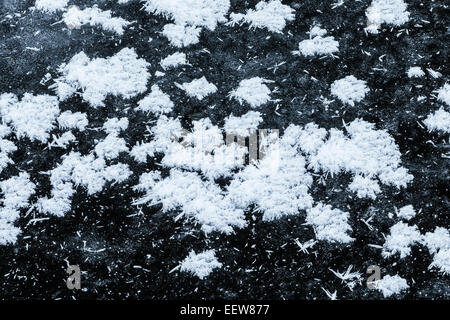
column 271, row 15
column 123, row 74
column 349, row 90
column 201, row 264
column 253, row 91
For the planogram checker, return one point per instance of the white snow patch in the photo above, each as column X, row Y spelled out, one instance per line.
column 437, row 240
column 368, row 152
column 201, row 264
column 51, row 6
column 438, row 121
column 407, row 212
column 441, row 261
column 244, row 124
column 173, row 60
column 123, row 74
column 75, row 18
column 415, row 72
column 253, row 91
column 33, row 116
column 198, row 88
column 71, row 120
column 390, row 285
column 400, row 240
column 391, row 12
column 188, row 192
column 329, row 224
column 189, row 17
column 115, row 125
column 365, row 187
column 444, row 94
column 77, row 170
column 278, row 184
column 6, row 147
column 271, row 15
column 349, row 90
column 156, row 102
column 317, row 44
column 180, row 35
column 16, row 191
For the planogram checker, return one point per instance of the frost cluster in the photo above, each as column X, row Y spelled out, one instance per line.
column 244, row 124
column 415, row 72
column 198, row 88
column 6, row 147
column 390, row 285
column 317, row 44
column 444, row 94
column 15, row 191
column 349, row 90
column 33, row 116
column 438, row 121
column 189, row 17
column 329, row 224
column 391, row 12
column 201, row 264
column 174, row 60
column 271, row 15
column 198, row 199
column 180, row 35
column 438, row 243
column 123, row 74
column 253, row 91
column 364, row 152
column 156, row 102
column 400, row 240
column 278, row 184
column 407, row 212
column 73, row 120
column 51, row 6
column 75, row 18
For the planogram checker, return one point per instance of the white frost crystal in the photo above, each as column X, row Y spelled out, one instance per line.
column 317, row 44
column 198, row 88
column 174, row 60
column 75, row 18
column 365, row 187
column 349, row 90
column 188, row 192
column 278, row 184
column 33, row 116
column 244, row 124
column 441, row 261
column 391, row 12
column 407, row 212
column 437, row 240
column 6, row 147
column 15, row 191
column 271, row 15
column 51, row 6
column 180, row 35
column 438, row 121
column 366, row 151
column 444, row 94
column 400, row 240
column 73, row 120
column 156, row 102
column 201, row 264
column 189, row 17
column 329, row 224
column 123, row 74
column 253, row 91
column 415, row 72
column 390, row 285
